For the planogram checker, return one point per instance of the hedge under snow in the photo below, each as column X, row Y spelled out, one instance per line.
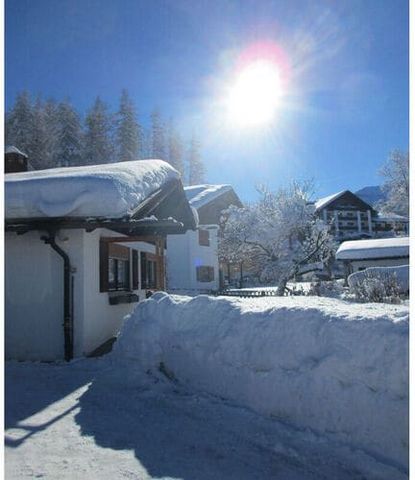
column 338, row 368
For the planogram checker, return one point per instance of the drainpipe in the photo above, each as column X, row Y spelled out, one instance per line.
column 67, row 299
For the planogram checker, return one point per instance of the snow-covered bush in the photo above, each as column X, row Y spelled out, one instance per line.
column 326, row 289
column 371, row 286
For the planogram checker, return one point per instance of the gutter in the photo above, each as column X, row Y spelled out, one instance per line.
column 67, row 297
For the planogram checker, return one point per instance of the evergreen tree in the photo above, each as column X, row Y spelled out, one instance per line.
column 128, row 132
column 52, row 128
column 196, row 167
column 146, row 144
column 69, row 138
column 98, row 142
column 175, row 149
column 39, row 151
column 19, row 123
column 158, row 136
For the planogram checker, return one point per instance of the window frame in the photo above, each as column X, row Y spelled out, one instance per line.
column 204, row 237
column 205, row 274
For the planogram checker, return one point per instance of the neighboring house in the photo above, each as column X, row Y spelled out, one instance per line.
column 15, row 160
column 351, row 217
column 381, row 252
column 83, row 245
column 192, row 259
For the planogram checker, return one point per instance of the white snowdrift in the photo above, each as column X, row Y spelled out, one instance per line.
column 107, row 190
column 338, row 368
column 383, row 273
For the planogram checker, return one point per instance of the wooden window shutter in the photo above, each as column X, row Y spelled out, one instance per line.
column 134, row 259
column 103, row 266
column 143, row 265
column 204, row 238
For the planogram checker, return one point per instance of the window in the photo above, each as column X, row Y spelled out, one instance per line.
column 118, row 268
column 205, row 274
column 204, row 238
column 148, row 270
column 118, row 274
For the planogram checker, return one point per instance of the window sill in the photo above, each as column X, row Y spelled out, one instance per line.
column 125, row 297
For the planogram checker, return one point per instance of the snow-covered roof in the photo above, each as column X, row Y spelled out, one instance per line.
column 110, row 190
column 200, row 195
column 377, row 248
column 322, row 202
column 12, row 149
column 390, row 217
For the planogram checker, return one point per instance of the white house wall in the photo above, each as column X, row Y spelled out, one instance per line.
column 184, row 255
column 103, row 320
column 34, row 295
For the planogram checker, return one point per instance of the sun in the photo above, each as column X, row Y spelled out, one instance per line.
column 255, row 95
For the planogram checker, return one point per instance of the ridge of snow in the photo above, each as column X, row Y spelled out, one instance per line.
column 376, row 248
column 332, row 366
column 200, row 195
column 107, row 190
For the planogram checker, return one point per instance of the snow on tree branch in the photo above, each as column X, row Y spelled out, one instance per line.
column 277, row 235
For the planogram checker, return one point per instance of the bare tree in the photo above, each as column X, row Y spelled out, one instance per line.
column 396, row 186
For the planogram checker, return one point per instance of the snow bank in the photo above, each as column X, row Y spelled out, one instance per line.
column 338, row 368
column 401, row 273
column 107, row 190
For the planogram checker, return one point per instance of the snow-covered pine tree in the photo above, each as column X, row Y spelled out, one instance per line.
column 19, row 123
column 69, row 144
column 195, row 164
column 396, row 186
column 175, row 149
column 98, row 139
column 40, row 153
column 128, row 130
column 158, row 136
column 52, row 124
column 146, row 144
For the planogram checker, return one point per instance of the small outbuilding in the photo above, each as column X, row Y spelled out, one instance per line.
column 382, row 252
column 83, row 245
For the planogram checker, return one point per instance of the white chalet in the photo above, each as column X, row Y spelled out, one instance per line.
column 83, row 245
column 192, row 259
column 350, row 217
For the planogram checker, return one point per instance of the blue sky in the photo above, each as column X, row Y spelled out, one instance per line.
column 345, row 107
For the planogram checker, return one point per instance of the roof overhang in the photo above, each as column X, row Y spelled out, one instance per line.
column 165, row 211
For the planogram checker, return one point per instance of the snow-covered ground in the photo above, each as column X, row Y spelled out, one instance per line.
column 295, row 388
column 89, row 420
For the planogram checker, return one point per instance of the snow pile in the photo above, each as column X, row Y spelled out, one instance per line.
column 378, row 248
column 108, row 190
column 200, row 195
column 338, row 368
column 383, row 273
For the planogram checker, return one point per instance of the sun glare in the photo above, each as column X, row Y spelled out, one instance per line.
column 255, row 95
